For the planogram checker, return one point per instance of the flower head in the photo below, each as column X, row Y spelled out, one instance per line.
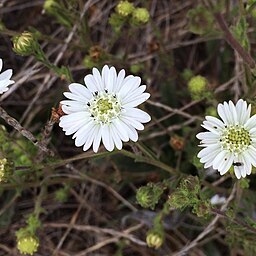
column 25, row 44
column 124, row 8
column 230, row 141
column 5, row 78
column 197, row 86
column 104, row 109
column 140, row 16
column 28, row 244
column 155, row 239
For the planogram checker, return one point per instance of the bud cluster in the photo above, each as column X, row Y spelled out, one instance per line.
column 125, row 11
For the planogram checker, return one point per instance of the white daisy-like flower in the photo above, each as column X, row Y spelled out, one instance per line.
column 5, row 78
column 230, row 141
column 104, row 109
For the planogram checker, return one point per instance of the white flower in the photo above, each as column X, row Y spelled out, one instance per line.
column 216, row 199
column 5, row 78
column 230, row 141
column 104, row 109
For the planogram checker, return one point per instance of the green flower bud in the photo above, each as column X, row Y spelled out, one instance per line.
column 124, row 8
column 58, row 10
column 187, row 194
column 50, row 6
column 116, row 21
column 25, row 44
column 200, row 20
column 61, row 195
column 27, row 244
column 187, row 74
column 148, row 196
column 197, row 86
column 140, row 16
column 155, row 239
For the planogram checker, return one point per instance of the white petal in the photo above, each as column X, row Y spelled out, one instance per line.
column 116, row 138
column 97, row 139
column 218, row 159
column 119, row 81
column 251, row 123
column 226, row 163
column 207, row 151
column 222, row 113
column 132, row 133
column 120, row 129
column 129, row 87
column 107, row 139
column 1, row 64
column 90, row 138
column 80, row 90
column 109, row 77
column 215, row 121
column 207, row 135
column 237, row 171
column 133, row 94
column 137, row 114
column 137, row 125
column 6, row 75
column 125, row 82
column 210, row 157
column 250, row 155
column 136, row 101
column 228, row 113
column 75, row 97
column 98, row 79
column 91, row 83
column 233, row 111
column 209, row 127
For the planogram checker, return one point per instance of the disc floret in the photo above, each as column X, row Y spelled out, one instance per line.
column 104, row 107
column 235, row 138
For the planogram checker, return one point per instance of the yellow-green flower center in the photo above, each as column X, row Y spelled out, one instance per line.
column 104, row 107
column 28, row 245
column 235, row 138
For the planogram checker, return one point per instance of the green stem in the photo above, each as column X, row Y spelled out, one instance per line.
column 146, row 150
column 153, row 162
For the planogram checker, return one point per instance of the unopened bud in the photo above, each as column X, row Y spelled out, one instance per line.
column 24, row 44
column 124, row 8
column 154, row 239
column 28, row 244
column 140, row 16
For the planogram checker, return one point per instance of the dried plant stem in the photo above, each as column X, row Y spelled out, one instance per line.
column 247, row 58
column 24, row 132
column 208, row 229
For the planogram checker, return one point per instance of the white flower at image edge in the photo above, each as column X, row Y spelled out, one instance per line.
column 104, row 110
column 5, row 78
column 230, row 141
